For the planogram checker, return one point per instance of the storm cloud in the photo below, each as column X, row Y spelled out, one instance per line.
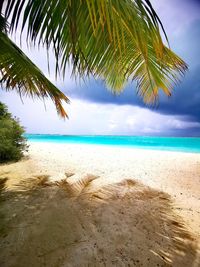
column 185, row 99
column 96, row 110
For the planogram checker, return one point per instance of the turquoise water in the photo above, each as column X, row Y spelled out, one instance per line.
column 186, row 144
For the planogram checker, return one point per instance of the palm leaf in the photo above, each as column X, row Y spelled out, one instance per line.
column 116, row 40
column 17, row 72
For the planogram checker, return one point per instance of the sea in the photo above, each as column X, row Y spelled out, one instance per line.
column 182, row 144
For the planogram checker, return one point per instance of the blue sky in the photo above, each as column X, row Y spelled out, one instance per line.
column 95, row 110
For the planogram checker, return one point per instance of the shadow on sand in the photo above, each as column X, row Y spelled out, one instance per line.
column 65, row 224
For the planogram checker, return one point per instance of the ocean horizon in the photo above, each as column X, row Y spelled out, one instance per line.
column 182, row 144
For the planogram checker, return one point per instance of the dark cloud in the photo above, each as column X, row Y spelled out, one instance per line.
column 185, row 99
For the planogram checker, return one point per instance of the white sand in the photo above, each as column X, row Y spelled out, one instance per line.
column 173, row 173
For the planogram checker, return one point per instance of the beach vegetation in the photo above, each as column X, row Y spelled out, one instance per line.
column 114, row 40
column 12, row 141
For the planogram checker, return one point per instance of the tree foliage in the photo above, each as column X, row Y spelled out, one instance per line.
column 115, row 40
column 19, row 73
column 12, row 141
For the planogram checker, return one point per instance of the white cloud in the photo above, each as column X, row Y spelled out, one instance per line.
column 93, row 118
column 182, row 124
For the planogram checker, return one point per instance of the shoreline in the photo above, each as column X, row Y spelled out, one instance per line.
column 131, row 147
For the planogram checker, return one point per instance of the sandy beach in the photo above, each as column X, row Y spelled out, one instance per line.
column 90, row 205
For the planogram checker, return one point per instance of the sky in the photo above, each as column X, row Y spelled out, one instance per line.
column 95, row 110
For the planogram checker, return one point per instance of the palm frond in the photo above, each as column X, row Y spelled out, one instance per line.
column 17, row 72
column 116, row 40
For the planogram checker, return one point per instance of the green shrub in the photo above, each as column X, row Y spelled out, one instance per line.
column 12, row 141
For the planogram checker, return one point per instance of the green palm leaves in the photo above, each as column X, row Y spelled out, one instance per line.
column 115, row 40
column 20, row 74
